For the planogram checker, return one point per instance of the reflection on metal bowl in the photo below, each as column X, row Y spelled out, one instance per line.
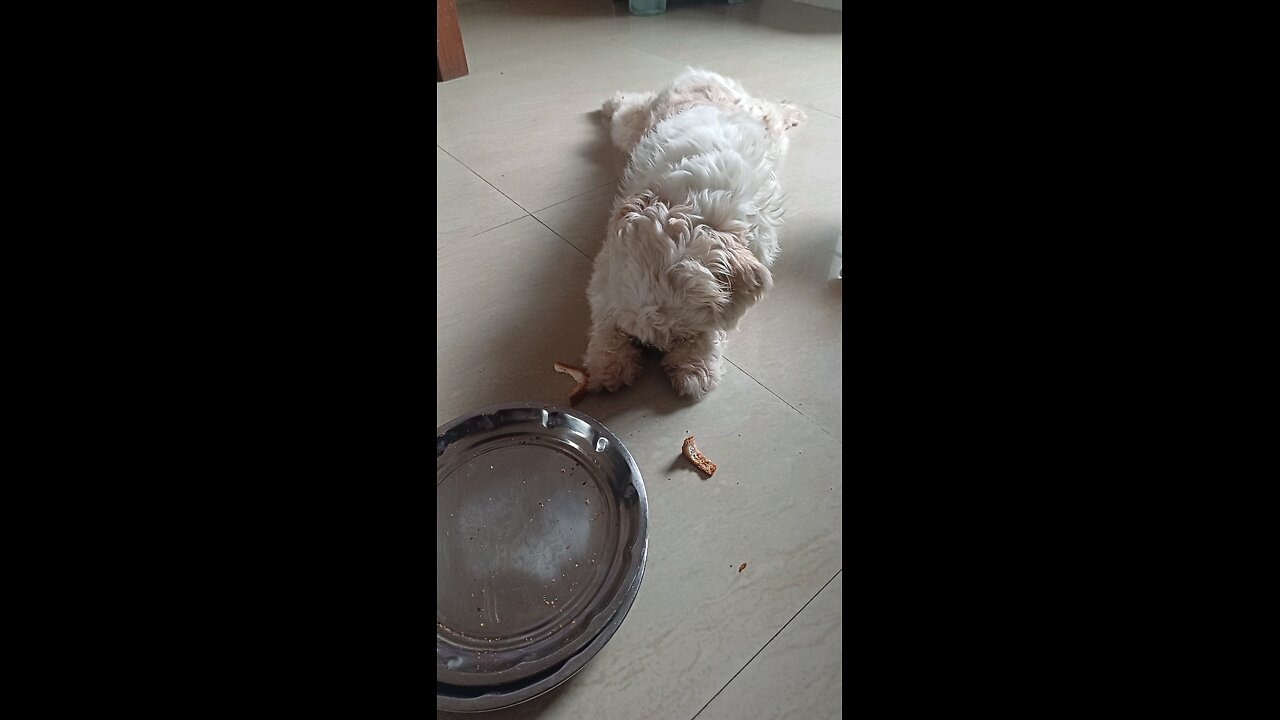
column 541, row 541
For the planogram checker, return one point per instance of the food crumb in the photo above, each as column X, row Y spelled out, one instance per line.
column 742, row 567
column 690, row 451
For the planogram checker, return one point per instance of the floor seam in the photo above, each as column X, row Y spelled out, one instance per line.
column 575, row 247
column 495, row 227
column 824, row 112
column 784, row 400
column 527, row 212
column 486, row 182
column 575, row 197
column 775, row 635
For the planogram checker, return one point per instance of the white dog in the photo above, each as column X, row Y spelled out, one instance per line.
column 693, row 232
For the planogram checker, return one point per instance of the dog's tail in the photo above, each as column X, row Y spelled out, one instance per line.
column 792, row 115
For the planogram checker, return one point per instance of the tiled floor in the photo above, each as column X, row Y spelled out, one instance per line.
column 525, row 178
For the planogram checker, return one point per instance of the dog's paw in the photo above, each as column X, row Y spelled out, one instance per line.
column 693, row 381
column 611, row 105
column 612, row 373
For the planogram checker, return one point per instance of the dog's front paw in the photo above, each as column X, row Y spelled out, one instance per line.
column 693, row 380
column 611, row 106
column 612, row 372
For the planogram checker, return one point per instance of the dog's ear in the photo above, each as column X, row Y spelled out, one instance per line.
column 747, row 280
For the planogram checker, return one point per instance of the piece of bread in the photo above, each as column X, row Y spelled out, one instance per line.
column 690, row 451
column 578, row 374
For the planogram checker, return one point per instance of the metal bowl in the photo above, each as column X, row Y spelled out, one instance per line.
column 478, row 699
column 541, row 540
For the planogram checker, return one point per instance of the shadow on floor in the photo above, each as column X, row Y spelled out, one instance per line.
column 601, row 153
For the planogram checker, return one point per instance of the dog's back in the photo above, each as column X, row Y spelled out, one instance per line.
column 711, row 167
column 694, row 229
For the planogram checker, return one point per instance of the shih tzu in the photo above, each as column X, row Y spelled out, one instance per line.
column 693, row 231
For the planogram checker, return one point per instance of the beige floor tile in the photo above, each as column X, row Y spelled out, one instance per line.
column 531, row 124
column 582, row 220
column 777, row 49
column 792, row 341
column 465, row 204
column 798, row 675
column 774, row 503
column 509, row 303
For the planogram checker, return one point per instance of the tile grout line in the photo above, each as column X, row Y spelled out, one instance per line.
column 575, row 247
column 575, row 197
column 523, row 208
column 495, row 227
column 771, row 392
column 513, row 202
column 775, row 635
column 486, row 182
column 528, row 214
column 824, row 112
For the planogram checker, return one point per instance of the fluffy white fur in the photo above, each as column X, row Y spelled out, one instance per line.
column 693, row 231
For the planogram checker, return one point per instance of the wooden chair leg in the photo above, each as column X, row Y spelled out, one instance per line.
column 451, row 58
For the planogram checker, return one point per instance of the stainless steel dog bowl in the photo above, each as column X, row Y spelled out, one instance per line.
column 541, row 541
